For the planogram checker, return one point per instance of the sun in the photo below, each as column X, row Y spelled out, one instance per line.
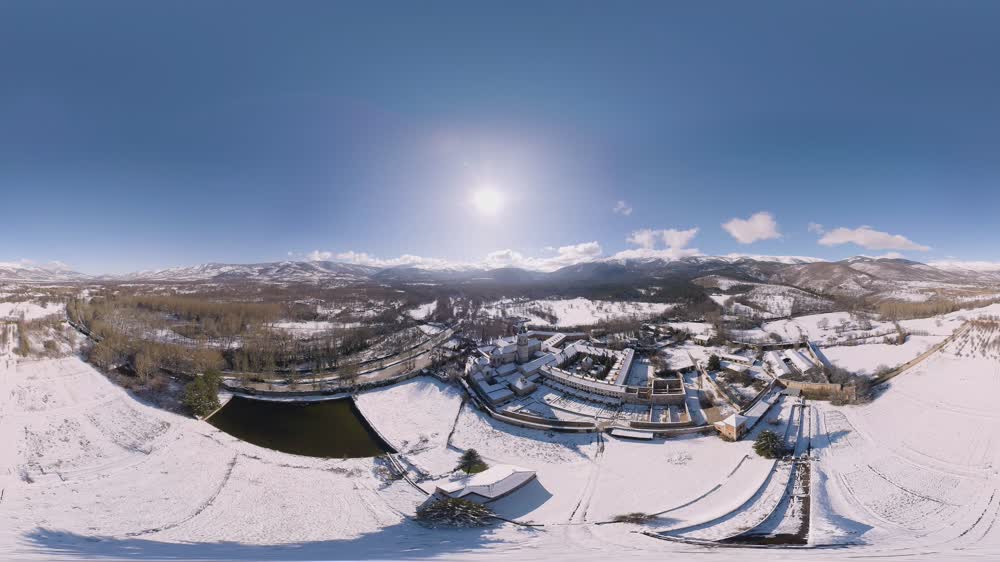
column 487, row 201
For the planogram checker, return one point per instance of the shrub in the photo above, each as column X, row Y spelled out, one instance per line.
column 471, row 462
column 740, row 378
column 768, row 445
column 636, row 518
column 455, row 512
column 23, row 343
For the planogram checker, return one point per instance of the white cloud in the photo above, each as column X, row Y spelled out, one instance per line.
column 362, row 258
column 816, row 228
column 675, row 244
column 677, row 239
column 576, row 252
column 622, row 208
column 867, row 237
column 760, row 226
column 658, row 254
column 564, row 255
column 645, row 238
column 317, row 255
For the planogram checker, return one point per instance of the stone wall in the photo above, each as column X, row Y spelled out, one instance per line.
column 823, row 391
column 916, row 360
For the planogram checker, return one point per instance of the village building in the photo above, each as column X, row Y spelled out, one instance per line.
column 737, row 425
column 488, row 485
column 733, row 427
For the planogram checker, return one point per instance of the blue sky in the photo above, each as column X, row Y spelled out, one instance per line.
column 142, row 135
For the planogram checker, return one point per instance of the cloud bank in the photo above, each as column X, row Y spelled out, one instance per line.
column 668, row 244
column 867, row 237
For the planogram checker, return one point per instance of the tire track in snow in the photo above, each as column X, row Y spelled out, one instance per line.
column 205, row 505
column 591, row 487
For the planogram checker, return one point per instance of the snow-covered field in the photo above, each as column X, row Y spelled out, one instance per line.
column 29, row 310
column 87, row 471
column 575, row 312
column 422, row 311
column 866, row 359
column 917, row 467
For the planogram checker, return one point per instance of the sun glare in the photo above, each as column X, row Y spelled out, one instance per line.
column 487, row 201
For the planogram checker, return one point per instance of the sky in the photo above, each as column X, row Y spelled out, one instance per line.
column 140, row 135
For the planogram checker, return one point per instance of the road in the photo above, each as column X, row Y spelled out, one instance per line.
column 420, row 355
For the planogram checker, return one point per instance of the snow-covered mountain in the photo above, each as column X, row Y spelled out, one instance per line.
column 976, row 269
column 274, row 272
column 19, row 271
column 858, row 276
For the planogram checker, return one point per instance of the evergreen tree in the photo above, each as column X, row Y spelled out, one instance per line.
column 768, row 445
column 471, row 462
column 201, row 395
column 714, row 363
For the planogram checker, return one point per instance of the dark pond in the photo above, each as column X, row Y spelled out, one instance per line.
column 326, row 428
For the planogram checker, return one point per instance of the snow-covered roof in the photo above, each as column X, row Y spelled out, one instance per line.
column 490, row 484
column 506, row 369
column 521, row 383
column 735, row 420
column 774, row 359
column 532, row 366
column 509, row 348
column 585, row 382
column 736, row 367
column 497, row 395
column 800, row 360
column 554, row 340
column 632, row 434
column 737, row 358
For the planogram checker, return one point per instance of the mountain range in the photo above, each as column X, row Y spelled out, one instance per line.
column 856, row 276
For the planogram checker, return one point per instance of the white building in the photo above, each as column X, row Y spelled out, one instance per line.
column 489, row 485
column 519, row 348
column 701, row 339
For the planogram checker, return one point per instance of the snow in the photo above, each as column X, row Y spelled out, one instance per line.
column 416, row 417
column 422, row 311
column 917, row 466
column 29, row 310
column 75, row 444
column 721, row 300
column 575, row 312
column 89, row 471
column 308, row 329
column 864, row 359
column 692, row 327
